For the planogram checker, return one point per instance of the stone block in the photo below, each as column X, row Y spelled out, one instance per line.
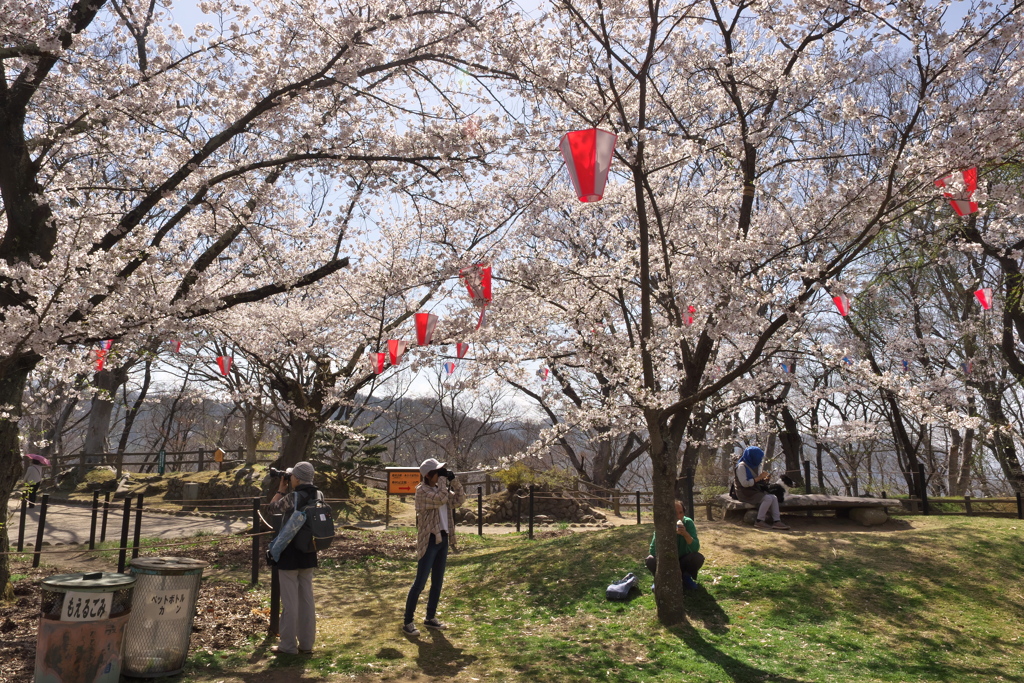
column 869, row 516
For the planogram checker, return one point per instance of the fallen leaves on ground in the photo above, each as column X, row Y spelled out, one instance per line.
column 227, row 613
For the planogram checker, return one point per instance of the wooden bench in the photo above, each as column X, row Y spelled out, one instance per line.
column 841, row 505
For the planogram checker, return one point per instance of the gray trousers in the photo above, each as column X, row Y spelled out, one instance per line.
column 298, row 613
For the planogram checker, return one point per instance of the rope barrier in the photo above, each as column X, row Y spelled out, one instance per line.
column 204, row 539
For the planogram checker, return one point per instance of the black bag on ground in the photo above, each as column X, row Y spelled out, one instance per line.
column 620, row 589
column 318, row 531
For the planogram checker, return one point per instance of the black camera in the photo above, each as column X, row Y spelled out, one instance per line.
column 446, row 473
column 275, row 473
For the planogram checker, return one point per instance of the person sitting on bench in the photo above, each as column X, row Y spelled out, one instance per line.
column 687, row 544
column 751, row 487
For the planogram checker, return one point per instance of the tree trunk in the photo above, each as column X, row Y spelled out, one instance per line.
column 133, row 412
column 251, row 439
column 963, row 481
column 107, row 383
column 298, row 444
column 1002, row 443
column 792, row 446
column 14, row 372
column 953, row 462
column 601, row 461
column 668, row 580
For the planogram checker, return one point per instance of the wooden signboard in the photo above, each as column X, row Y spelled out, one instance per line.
column 402, row 481
column 218, row 455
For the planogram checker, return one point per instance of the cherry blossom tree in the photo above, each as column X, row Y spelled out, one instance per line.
column 150, row 178
column 761, row 149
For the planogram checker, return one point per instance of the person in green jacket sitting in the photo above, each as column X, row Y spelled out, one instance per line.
column 687, row 543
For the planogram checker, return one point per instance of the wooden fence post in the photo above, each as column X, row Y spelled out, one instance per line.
column 126, row 520
column 256, row 529
column 967, row 506
column 39, row 532
column 531, row 512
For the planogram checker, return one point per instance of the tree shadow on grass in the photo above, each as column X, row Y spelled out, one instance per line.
column 739, row 671
column 438, row 657
column 700, row 604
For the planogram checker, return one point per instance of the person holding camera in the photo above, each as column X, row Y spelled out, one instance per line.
column 295, row 490
column 687, row 545
column 435, row 530
column 751, row 486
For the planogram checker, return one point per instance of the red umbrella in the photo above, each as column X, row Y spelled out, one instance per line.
column 38, row 458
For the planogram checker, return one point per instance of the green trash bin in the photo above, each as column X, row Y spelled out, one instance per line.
column 81, row 627
column 157, row 636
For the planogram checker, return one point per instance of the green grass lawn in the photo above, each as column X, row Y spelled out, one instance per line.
column 921, row 599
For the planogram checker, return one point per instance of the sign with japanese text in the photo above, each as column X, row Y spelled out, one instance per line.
column 85, row 606
column 166, row 605
column 403, row 481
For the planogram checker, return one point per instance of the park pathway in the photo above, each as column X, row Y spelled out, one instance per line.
column 70, row 524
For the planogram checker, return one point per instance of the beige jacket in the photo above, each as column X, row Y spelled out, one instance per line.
column 429, row 500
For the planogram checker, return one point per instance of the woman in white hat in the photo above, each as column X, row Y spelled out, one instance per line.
column 435, row 530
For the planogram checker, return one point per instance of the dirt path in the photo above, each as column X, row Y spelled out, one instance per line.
column 70, row 524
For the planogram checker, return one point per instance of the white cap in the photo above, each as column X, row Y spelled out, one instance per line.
column 429, row 465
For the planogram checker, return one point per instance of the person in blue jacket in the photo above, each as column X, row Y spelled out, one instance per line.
column 748, row 476
column 687, row 544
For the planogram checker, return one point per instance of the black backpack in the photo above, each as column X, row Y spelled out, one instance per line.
column 318, row 531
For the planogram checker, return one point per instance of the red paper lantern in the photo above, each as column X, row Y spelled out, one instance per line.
column 449, row 367
column 377, row 362
column 477, row 279
column 961, row 201
column 843, row 304
column 543, row 374
column 396, row 348
column 224, row 363
column 99, row 356
column 461, row 349
column 105, row 345
column 985, row 297
column 588, row 156
column 175, row 346
column 425, row 324
column 691, row 310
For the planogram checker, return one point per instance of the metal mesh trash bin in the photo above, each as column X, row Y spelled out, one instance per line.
column 156, row 639
column 81, row 627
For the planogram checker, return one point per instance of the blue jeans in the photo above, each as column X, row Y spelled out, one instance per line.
column 432, row 564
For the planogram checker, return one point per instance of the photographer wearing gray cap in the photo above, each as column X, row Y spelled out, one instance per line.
column 435, row 529
column 295, row 490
